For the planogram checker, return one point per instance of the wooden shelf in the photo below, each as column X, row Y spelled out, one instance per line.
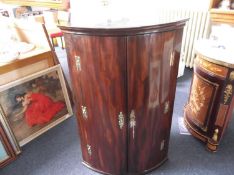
column 40, row 58
column 222, row 16
column 26, row 59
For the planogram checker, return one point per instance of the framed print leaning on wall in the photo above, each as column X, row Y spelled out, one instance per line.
column 34, row 104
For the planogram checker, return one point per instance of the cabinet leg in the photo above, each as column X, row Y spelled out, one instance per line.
column 211, row 146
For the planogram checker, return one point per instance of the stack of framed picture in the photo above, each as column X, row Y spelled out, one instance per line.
column 8, row 149
column 29, row 107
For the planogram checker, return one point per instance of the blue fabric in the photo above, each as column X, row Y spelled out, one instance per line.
column 3, row 153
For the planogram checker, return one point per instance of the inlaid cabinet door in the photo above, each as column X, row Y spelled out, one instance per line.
column 101, row 63
column 202, row 95
column 204, row 110
column 150, row 61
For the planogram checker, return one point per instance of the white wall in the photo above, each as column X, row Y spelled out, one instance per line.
column 89, row 11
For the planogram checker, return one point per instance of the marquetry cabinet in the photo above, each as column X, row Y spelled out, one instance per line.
column 124, row 82
column 210, row 104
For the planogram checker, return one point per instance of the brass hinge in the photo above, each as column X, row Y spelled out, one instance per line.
column 166, row 107
column 84, row 112
column 162, row 145
column 133, row 123
column 172, row 58
column 78, row 64
column 121, row 120
column 89, row 150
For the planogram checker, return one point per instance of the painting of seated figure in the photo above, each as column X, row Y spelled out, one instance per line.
column 36, row 103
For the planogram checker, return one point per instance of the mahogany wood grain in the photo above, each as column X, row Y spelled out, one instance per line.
column 148, row 90
column 102, row 86
column 122, row 70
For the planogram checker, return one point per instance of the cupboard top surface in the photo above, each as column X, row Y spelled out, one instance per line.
column 124, row 27
column 216, row 52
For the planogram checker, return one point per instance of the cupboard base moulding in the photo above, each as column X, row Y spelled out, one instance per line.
column 144, row 172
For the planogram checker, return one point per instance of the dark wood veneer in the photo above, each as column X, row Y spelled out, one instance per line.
column 124, row 70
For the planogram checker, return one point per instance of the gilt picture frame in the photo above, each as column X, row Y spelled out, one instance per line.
column 34, row 104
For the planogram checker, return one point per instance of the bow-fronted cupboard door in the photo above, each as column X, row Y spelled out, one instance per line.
column 152, row 70
column 99, row 64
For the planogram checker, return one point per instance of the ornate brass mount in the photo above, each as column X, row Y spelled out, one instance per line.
column 227, row 93
column 78, row 64
column 84, row 112
column 166, row 107
column 121, row 120
column 133, row 123
column 89, row 150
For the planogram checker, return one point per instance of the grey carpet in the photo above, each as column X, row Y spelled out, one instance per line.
column 57, row 152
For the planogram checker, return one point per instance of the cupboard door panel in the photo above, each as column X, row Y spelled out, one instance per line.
column 149, row 74
column 103, row 83
column 75, row 76
column 171, row 71
column 203, row 93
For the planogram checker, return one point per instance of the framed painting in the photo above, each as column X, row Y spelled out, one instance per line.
column 7, row 153
column 19, row 11
column 34, row 104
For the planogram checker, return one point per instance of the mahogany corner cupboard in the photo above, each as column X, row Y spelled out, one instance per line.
column 124, row 82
